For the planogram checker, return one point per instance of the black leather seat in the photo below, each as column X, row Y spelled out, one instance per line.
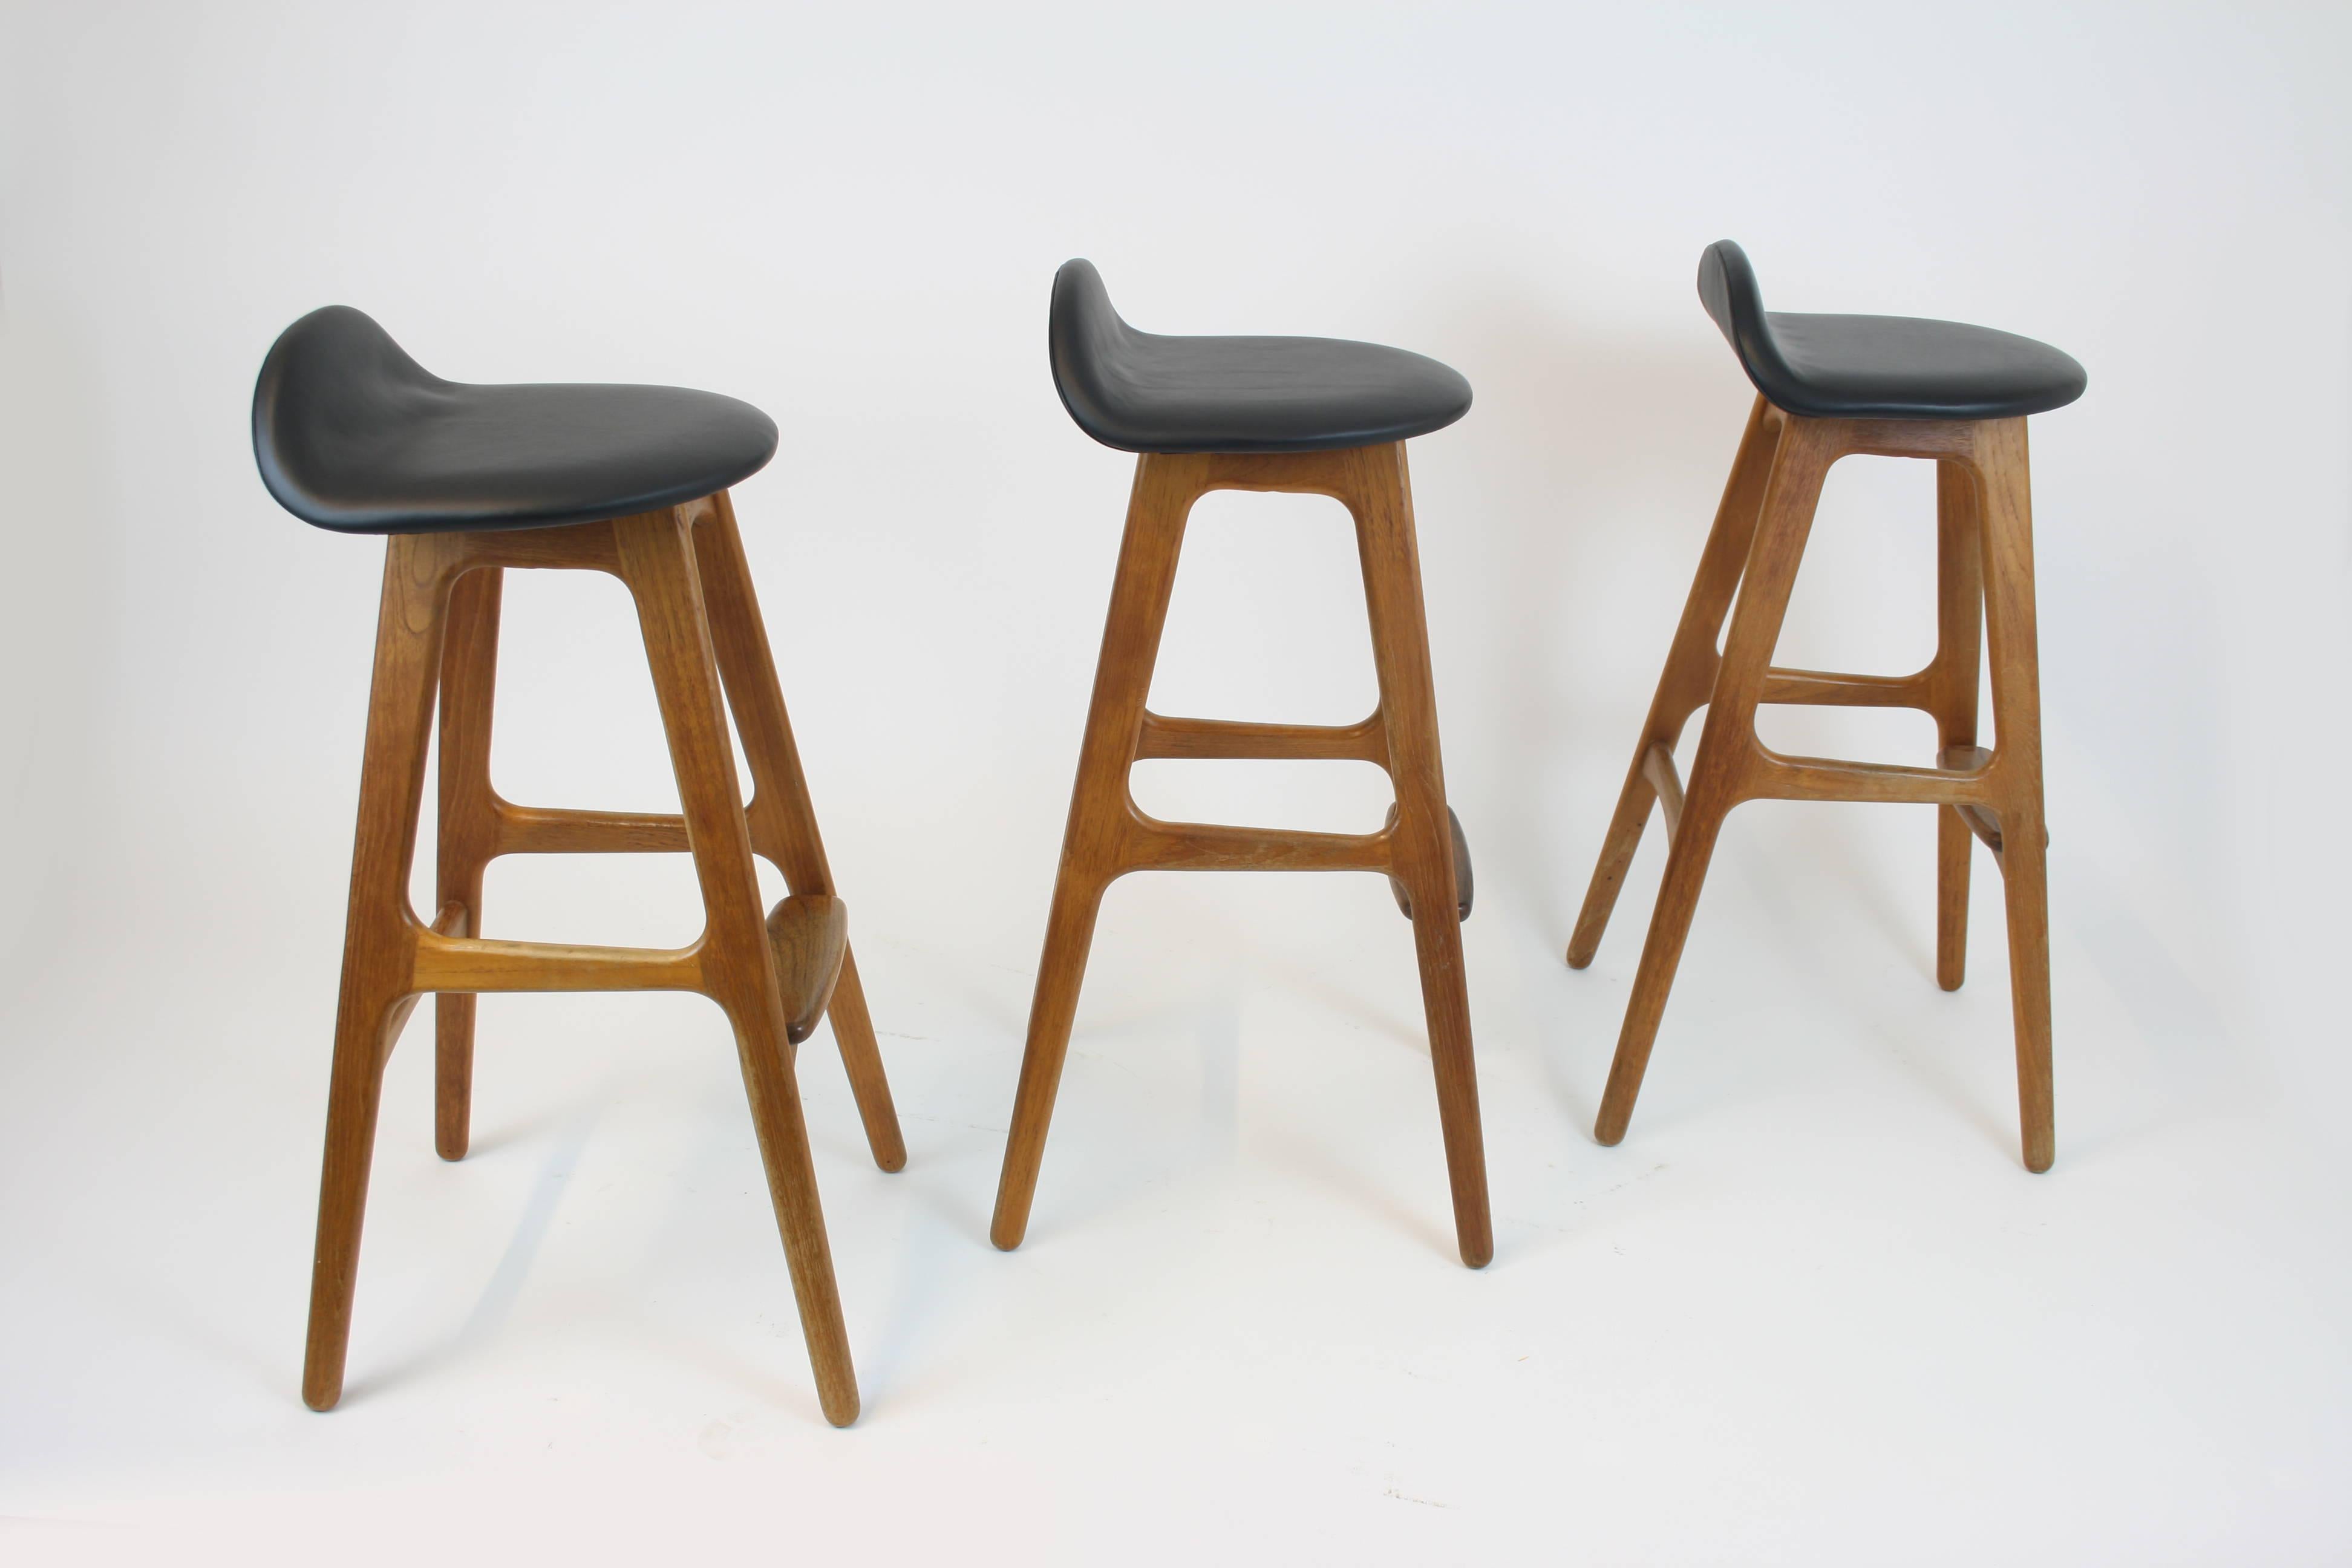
column 353, row 435
column 1143, row 392
column 1879, row 367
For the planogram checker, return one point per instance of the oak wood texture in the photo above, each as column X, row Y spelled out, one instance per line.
column 1108, row 835
column 775, row 974
column 1984, row 581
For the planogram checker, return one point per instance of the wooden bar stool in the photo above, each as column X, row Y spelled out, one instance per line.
column 1829, row 387
column 353, row 435
column 1303, row 415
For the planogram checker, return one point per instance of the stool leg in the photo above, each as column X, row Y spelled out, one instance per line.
column 375, row 1000
column 2017, row 723
column 783, row 820
column 1959, row 616
column 467, row 834
column 1094, row 841
column 861, row 1057
column 1424, row 840
column 1689, row 674
column 1719, row 771
column 657, row 562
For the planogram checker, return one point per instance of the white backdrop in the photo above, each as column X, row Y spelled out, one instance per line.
column 850, row 216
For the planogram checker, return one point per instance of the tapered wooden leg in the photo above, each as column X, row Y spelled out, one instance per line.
column 2025, row 888
column 861, row 1055
column 1960, row 617
column 376, row 997
column 2016, row 722
column 1053, row 1009
column 453, row 1067
column 783, row 820
column 1100, row 812
column 1662, row 952
column 1954, row 847
column 1422, row 845
column 467, row 834
column 1727, row 745
column 657, row 562
column 1690, row 671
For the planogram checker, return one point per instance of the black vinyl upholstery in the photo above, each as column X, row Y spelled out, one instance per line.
column 1879, row 367
column 1143, row 392
column 353, row 435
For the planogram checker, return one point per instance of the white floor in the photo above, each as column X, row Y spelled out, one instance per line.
column 1811, row 1311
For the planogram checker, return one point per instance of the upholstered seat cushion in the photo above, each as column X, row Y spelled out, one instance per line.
column 1879, row 367
column 353, row 435
column 1143, row 392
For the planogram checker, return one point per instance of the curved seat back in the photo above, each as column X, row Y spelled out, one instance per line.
column 1879, row 367
column 333, row 387
column 1087, row 342
column 1726, row 287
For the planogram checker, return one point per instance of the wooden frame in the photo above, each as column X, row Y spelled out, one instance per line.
column 776, row 976
column 1985, row 560
column 1108, row 836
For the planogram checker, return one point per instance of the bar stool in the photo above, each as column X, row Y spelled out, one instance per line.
column 355, row 437
column 1299, row 414
column 1829, row 387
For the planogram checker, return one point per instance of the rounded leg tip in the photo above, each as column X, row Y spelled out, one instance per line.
column 1608, row 1137
column 2040, row 1163
column 1009, row 1223
column 323, row 1399
column 842, row 1413
column 1477, row 1256
column 1578, row 958
column 451, row 1153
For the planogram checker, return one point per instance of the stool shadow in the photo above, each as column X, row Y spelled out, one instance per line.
column 1906, row 919
column 943, row 1252
column 951, row 1246
column 1407, row 1029
column 499, row 1296
column 1584, row 433
column 1822, row 843
column 1312, row 1157
column 1565, row 1042
column 1589, row 435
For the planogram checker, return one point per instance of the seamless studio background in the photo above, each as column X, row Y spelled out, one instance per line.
column 1812, row 1308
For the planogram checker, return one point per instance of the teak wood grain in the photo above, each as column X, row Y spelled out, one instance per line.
column 1108, row 836
column 1984, row 579
column 775, row 974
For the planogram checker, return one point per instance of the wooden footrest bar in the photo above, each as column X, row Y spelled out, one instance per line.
column 1827, row 689
column 1771, row 776
column 543, row 830
column 458, row 964
column 1156, row 845
column 1227, row 740
column 810, row 933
